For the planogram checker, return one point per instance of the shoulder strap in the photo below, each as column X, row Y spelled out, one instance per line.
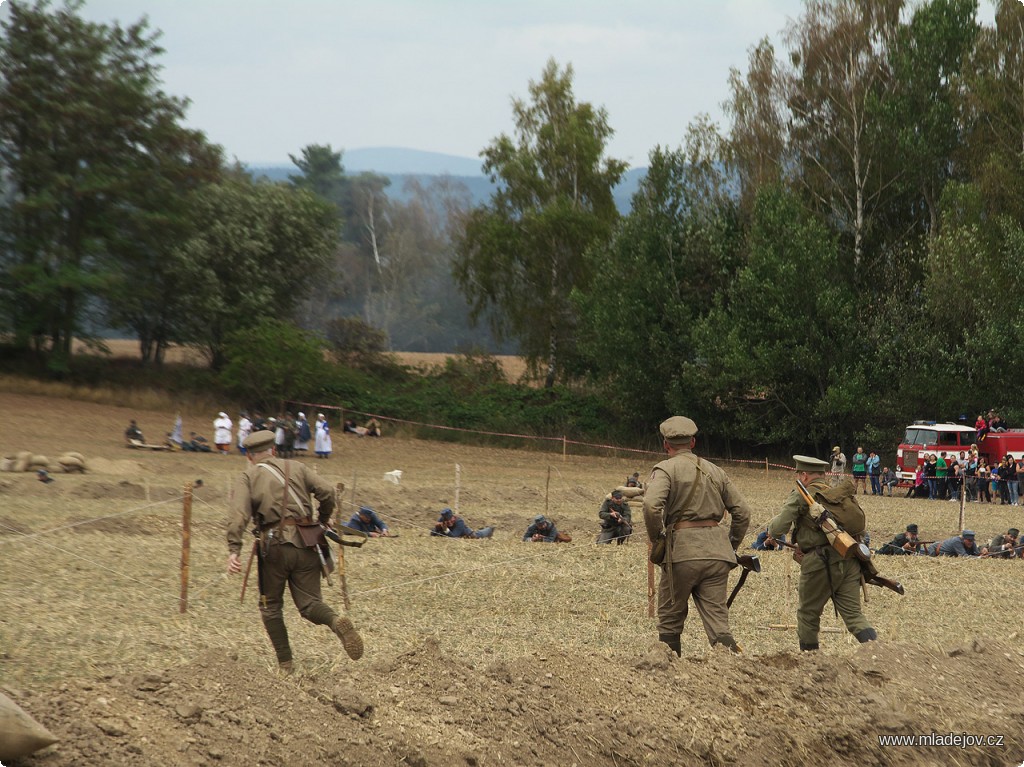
column 289, row 490
column 693, row 488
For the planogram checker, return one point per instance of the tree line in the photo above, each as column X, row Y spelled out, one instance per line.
column 842, row 256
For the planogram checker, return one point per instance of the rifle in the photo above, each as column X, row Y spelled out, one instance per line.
column 750, row 564
column 847, row 546
column 844, row 543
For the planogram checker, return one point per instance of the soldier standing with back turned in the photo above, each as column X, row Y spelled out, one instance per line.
column 685, row 499
column 824, row 574
column 260, row 494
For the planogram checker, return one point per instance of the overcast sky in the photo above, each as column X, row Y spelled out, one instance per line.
column 267, row 78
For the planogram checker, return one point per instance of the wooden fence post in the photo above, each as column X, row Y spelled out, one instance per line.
column 458, row 485
column 186, row 546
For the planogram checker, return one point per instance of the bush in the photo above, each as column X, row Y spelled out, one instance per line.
column 271, row 360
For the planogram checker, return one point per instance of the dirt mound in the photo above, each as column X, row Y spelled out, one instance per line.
column 425, row 707
column 119, row 467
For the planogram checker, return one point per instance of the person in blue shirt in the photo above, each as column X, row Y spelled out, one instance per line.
column 960, row 546
column 541, row 530
column 872, row 464
column 449, row 525
column 764, row 543
column 366, row 521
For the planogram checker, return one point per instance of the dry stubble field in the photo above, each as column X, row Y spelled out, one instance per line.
column 486, row 652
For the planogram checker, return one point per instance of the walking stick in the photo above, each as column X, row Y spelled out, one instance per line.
column 339, row 489
column 248, row 569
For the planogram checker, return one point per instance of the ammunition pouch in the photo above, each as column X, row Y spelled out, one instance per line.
column 312, row 533
column 657, row 555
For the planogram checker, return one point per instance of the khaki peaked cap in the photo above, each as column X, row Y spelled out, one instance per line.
column 808, row 463
column 259, row 441
column 678, row 428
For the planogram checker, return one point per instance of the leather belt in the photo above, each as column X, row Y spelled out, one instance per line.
column 685, row 523
column 286, row 522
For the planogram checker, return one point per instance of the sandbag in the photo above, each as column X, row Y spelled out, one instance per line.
column 79, row 456
column 20, row 734
column 39, row 462
column 23, row 461
column 71, row 464
column 630, row 492
column 7, row 464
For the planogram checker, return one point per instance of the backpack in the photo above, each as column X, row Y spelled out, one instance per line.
column 841, row 502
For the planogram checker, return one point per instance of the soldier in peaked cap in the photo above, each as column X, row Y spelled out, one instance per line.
column 824, row 574
column 685, row 501
column 904, row 543
column 275, row 494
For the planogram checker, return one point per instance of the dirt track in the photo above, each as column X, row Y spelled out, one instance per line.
column 478, row 653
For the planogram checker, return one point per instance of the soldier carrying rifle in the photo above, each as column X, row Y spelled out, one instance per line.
column 825, row 573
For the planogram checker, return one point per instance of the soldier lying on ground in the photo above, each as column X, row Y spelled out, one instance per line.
column 449, row 525
column 366, row 520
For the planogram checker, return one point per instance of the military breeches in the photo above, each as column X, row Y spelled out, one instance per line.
column 617, row 534
column 300, row 570
column 706, row 580
column 815, row 591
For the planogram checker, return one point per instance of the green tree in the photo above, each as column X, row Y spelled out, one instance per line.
column 921, row 118
column 322, row 173
column 94, row 153
column 258, row 250
column 994, row 107
column 523, row 252
column 758, row 136
column 271, row 360
column 777, row 360
column 678, row 247
column 839, row 50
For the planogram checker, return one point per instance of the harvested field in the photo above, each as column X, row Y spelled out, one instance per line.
column 478, row 653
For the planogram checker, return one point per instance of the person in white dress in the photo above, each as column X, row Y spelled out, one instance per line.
column 244, row 430
column 323, row 437
column 222, row 433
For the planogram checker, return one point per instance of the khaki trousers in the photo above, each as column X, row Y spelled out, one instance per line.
column 815, row 592
column 706, row 580
column 299, row 569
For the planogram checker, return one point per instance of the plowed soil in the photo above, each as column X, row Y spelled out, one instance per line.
column 478, row 653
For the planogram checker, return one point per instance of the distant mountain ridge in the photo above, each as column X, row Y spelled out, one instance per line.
column 399, row 164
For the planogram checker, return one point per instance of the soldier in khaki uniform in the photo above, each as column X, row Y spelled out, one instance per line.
column 824, row 574
column 685, row 499
column 259, row 494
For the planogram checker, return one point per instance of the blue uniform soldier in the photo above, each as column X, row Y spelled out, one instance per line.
column 366, row 521
column 449, row 525
column 541, row 530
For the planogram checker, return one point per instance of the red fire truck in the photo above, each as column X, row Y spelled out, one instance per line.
column 925, row 437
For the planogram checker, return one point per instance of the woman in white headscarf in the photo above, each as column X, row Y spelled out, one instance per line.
column 222, row 433
column 302, row 434
column 323, row 437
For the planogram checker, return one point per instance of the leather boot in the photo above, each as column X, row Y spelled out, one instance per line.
column 485, row 532
column 808, row 646
column 278, row 638
column 672, row 640
column 866, row 635
column 350, row 639
column 286, row 668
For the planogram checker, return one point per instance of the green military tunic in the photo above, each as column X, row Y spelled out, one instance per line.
column 823, row 574
column 687, row 489
column 259, row 494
